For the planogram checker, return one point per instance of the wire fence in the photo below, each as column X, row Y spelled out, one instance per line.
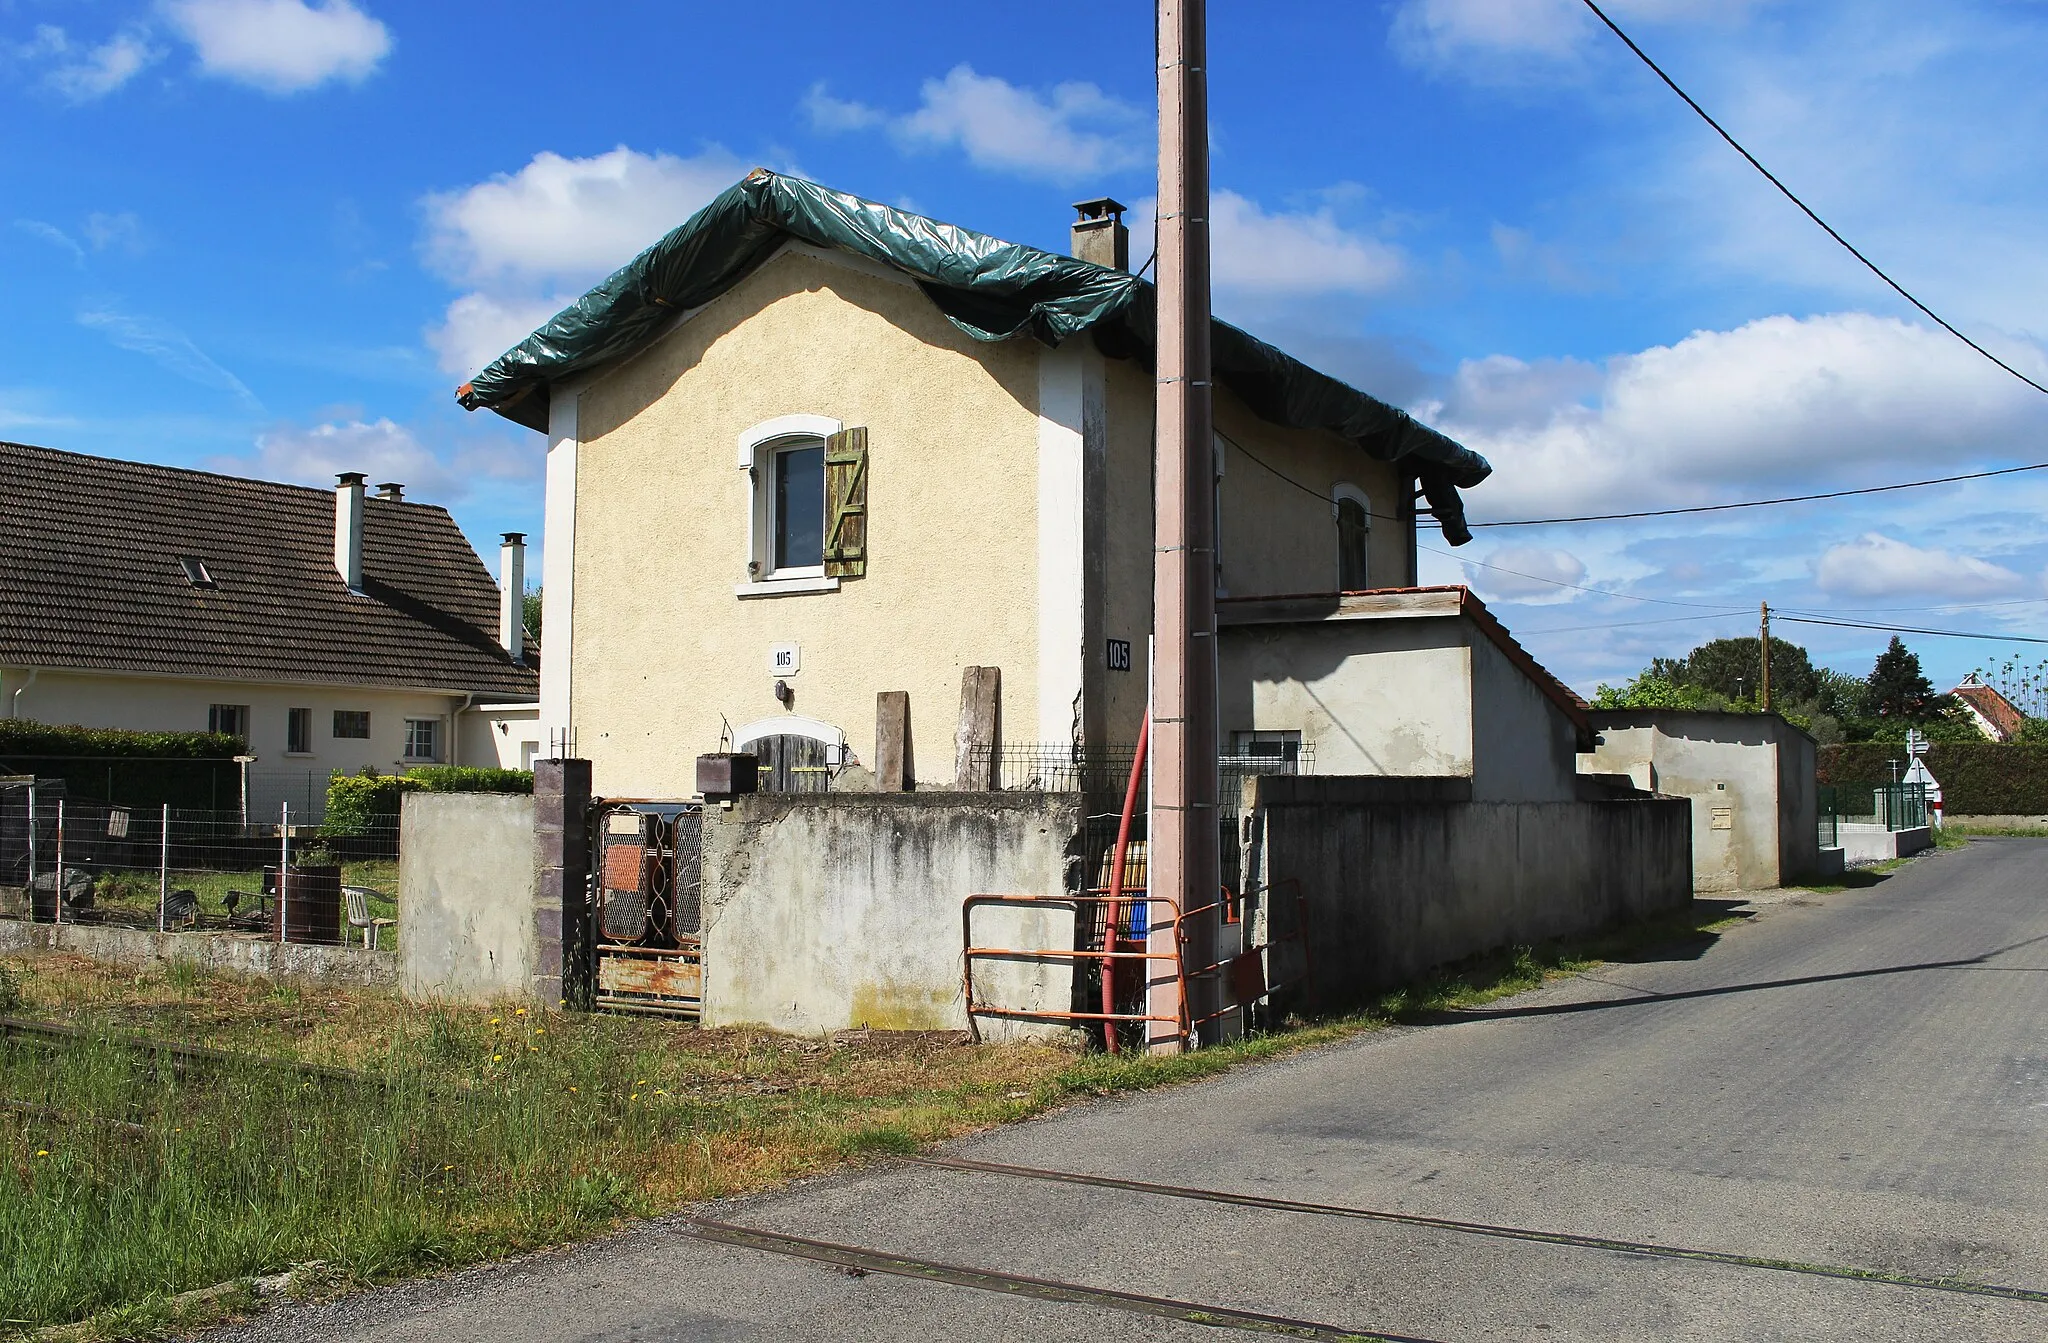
column 84, row 861
column 1105, row 771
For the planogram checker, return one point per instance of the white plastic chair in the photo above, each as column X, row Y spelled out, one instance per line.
column 359, row 915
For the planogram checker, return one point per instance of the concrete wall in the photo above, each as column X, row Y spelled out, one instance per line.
column 1400, row 876
column 233, row 952
column 1749, row 777
column 180, row 704
column 466, row 895
column 834, row 910
column 1406, row 697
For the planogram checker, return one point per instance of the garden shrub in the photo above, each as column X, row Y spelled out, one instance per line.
column 1980, row 778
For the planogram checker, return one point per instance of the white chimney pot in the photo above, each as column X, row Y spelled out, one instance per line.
column 512, row 595
column 348, row 529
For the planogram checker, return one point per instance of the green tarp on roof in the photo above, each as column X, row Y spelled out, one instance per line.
column 991, row 289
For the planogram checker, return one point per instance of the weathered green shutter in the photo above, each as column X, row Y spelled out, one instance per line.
column 846, row 504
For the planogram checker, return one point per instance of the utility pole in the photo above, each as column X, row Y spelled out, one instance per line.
column 1764, row 694
column 1185, row 863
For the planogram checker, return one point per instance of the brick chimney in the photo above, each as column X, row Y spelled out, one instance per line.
column 512, row 595
column 348, row 529
column 1099, row 234
column 392, row 492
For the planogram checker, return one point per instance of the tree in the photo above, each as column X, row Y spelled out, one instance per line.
column 1651, row 691
column 1731, row 667
column 530, row 612
column 1897, row 689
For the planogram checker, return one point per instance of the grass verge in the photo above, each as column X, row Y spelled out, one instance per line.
column 128, row 1181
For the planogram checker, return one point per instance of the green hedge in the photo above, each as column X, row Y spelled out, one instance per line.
column 138, row 769
column 366, row 803
column 1977, row 778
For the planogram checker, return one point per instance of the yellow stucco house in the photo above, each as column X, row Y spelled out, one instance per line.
column 809, row 448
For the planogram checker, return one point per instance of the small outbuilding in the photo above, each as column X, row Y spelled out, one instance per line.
column 1755, row 804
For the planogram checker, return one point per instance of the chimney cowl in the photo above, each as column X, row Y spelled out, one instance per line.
column 513, row 539
column 1099, row 234
column 348, row 478
column 391, row 491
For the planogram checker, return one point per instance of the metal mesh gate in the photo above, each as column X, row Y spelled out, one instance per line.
column 649, row 907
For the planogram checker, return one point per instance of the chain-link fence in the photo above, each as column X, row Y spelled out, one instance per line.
column 78, row 860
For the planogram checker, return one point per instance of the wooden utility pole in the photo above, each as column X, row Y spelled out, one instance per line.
column 1764, row 682
column 1184, row 859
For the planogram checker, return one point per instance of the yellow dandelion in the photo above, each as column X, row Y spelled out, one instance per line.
column 43, row 1151
column 497, row 1058
column 539, row 1031
column 572, row 1088
column 518, row 1011
column 497, row 1021
column 447, row 1168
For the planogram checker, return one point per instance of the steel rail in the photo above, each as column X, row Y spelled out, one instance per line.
column 1880, row 1277
column 861, row 1259
column 51, row 1032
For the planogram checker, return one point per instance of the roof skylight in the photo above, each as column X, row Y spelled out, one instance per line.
column 196, row 572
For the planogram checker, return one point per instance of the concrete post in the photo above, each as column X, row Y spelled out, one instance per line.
column 566, row 968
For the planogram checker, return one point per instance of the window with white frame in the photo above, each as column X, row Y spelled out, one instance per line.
column 423, row 739
column 298, row 731
column 807, row 496
column 1353, row 512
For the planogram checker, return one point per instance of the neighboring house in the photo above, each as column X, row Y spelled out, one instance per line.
column 1755, row 803
column 805, row 450
column 1994, row 714
column 327, row 629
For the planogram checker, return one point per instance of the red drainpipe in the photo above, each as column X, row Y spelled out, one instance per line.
column 1116, row 885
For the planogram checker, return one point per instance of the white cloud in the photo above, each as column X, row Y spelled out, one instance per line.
column 527, row 242
column 827, row 113
column 382, row 449
column 124, row 230
column 1875, row 565
column 479, row 327
column 1068, row 133
column 167, row 346
column 1494, row 40
column 281, row 46
column 98, row 71
column 1836, row 399
column 1294, row 253
column 1530, row 575
column 570, row 218
column 51, row 234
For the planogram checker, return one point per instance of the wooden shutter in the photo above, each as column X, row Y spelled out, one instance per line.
column 846, row 504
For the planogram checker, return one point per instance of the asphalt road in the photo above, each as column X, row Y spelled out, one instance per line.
column 1850, row 1082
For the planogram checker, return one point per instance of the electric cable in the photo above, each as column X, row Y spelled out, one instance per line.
column 1907, row 629
column 1804, row 208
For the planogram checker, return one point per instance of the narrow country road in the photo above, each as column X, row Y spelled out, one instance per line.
column 1841, row 1109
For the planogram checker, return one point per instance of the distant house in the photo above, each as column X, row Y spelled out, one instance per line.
column 1992, row 712
column 328, row 629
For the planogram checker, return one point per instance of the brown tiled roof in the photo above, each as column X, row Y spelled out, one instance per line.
column 90, row 578
column 2006, row 721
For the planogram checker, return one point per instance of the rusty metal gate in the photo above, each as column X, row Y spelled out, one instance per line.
column 648, row 908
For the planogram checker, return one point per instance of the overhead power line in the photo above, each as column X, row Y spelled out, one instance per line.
column 1907, row 629
column 1804, row 208
column 1764, row 503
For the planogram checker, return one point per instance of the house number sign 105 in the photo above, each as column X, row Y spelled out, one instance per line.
column 782, row 660
column 1120, row 655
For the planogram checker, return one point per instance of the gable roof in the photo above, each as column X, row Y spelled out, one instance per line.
column 1993, row 709
column 90, row 578
column 991, row 289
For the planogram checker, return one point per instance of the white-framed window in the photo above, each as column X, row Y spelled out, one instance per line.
column 784, row 459
column 298, row 732
column 423, row 739
column 1353, row 514
column 352, row 724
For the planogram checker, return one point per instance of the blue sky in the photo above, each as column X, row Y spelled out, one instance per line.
column 267, row 237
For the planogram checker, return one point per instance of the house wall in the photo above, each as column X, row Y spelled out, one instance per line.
column 1400, row 875
column 1274, row 537
column 508, row 736
column 171, row 704
column 1755, row 770
column 1414, row 696
column 835, row 910
column 665, row 654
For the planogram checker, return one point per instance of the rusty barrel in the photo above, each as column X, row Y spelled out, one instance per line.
column 311, row 901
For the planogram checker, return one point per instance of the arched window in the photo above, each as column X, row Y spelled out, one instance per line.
column 1354, row 536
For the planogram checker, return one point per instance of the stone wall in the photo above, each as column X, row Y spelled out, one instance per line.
column 240, row 953
column 467, row 891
